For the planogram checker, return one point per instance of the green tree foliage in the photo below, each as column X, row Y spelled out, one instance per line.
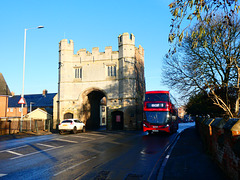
column 201, row 104
column 209, row 64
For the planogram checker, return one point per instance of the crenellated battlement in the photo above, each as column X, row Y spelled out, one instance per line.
column 126, row 44
column 140, row 50
column 125, row 38
column 65, row 45
column 139, row 54
column 96, row 55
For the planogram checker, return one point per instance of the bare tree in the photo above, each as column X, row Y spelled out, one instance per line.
column 208, row 61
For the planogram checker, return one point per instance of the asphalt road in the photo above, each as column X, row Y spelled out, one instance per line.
column 91, row 155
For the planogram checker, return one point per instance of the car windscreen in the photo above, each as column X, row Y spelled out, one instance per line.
column 67, row 121
column 157, row 97
column 156, row 117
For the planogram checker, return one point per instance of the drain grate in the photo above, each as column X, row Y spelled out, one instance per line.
column 134, row 177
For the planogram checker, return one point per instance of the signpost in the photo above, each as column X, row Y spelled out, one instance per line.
column 22, row 101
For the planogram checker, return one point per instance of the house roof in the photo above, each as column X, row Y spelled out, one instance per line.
column 37, row 100
column 41, row 110
column 4, row 90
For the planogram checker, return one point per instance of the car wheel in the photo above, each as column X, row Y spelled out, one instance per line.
column 60, row 132
column 84, row 129
column 74, row 131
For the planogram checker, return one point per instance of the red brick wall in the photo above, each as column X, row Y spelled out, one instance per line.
column 3, row 105
column 225, row 147
column 16, row 111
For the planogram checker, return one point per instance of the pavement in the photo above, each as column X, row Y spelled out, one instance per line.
column 188, row 160
column 23, row 135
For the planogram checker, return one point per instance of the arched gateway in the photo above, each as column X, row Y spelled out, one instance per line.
column 101, row 88
column 93, row 114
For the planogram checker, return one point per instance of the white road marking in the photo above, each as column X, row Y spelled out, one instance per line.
column 36, row 152
column 99, row 135
column 58, row 139
column 12, row 152
column 74, row 166
column 13, row 148
column 88, row 140
column 1, row 175
column 82, row 137
column 92, row 140
column 46, row 145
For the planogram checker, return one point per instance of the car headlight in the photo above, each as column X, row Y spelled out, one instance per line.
column 145, row 125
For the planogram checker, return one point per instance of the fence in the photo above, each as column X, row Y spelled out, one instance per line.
column 12, row 125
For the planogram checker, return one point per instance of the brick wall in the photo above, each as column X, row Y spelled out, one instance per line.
column 222, row 140
column 3, row 106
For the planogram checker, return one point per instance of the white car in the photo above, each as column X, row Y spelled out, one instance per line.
column 72, row 125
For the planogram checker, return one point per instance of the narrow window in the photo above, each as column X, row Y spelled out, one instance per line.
column 78, row 73
column 112, row 71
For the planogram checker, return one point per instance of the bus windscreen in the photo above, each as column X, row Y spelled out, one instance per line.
column 157, row 117
column 157, row 97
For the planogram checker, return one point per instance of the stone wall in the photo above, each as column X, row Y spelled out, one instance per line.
column 221, row 139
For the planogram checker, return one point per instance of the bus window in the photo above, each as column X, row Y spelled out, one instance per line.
column 157, row 97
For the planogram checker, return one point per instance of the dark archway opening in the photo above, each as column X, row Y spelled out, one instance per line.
column 68, row 116
column 117, row 120
column 94, row 98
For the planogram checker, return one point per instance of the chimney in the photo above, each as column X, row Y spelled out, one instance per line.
column 12, row 93
column 44, row 92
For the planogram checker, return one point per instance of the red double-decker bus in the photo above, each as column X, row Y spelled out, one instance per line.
column 160, row 113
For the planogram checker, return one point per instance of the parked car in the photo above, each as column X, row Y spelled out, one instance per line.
column 72, row 125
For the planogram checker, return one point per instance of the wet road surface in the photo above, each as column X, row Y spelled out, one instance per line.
column 91, row 155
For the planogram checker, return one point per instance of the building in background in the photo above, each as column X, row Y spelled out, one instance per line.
column 181, row 112
column 101, row 88
column 33, row 101
column 4, row 94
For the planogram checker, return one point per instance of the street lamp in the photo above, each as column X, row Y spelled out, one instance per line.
column 24, row 55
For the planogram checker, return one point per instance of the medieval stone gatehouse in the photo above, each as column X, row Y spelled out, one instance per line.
column 101, row 88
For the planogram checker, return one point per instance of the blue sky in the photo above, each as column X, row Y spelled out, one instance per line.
column 89, row 24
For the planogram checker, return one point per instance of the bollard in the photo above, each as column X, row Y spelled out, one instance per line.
column 9, row 126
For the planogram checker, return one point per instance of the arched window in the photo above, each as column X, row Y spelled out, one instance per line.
column 68, row 116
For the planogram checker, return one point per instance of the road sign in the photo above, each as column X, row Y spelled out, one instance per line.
column 22, row 101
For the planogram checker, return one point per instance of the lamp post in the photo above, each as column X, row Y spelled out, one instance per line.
column 24, row 55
